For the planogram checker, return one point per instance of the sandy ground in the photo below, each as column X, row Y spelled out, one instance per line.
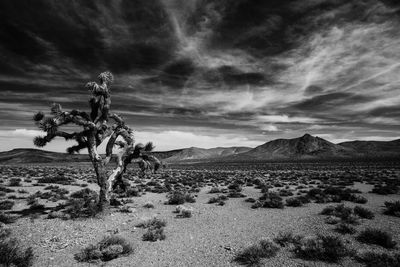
column 210, row 238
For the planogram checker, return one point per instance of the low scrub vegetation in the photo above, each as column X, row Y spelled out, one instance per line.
column 109, row 248
column 321, row 248
column 179, row 197
column 378, row 259
column 12, row 252
column 376, row 237
column 255, row 253
column 392, row 208
column 82, row 204
column 155, row 229
column 363, row 212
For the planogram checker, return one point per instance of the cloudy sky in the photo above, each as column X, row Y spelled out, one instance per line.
column 206, row 73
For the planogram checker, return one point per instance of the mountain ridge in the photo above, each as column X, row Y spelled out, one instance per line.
column 306, row 147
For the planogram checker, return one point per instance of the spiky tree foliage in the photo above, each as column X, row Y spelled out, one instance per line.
column 95, row 130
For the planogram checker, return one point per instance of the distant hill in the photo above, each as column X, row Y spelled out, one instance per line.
column 374, row 148
column 166, row 154
column 306, row 147
column 27, row 155
column 195, row 153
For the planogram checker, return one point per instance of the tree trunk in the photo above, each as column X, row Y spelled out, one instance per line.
column 101, row 173
column 102, row 181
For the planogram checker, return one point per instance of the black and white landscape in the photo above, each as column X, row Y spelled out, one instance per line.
column 200, row 133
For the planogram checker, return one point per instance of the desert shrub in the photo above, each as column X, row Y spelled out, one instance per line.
column 148, row 205
column 114, row 201
column 56, row 180
column 152, row 223
column 332, row 219
column 186, row 213
column 257, row 204
column 293, row 202
column 377, row 259
column 235, row 194
column 125, row 209
column 253, row 254
column 15, row 182
column 6, row 190
column 271, row 200
column 132, row 192
column 107, row 249
column 82, row 203
column 250, row 200
column 4, row 232
column 183, row 211
column 363, row 212
column 214, row 190
column 179, row 197
column 6, row 204
column 36, row 206
column 7, row 218
column 285, row 193
column 385, row 190
column 235, row 187
column 341, row 211
column 322, row 248
column 376, row 237
column 154, row 234
column 285, row 238
column 12, row 253
column 314, row 192
column 392, row 208
column 359, row 199
column 344, row 228
column 217, row 199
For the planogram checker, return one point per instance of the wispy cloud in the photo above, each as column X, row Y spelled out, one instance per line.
column 245, row 71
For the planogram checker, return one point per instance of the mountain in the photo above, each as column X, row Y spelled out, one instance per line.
column 27, row 155
column 304, row 147
column 195, row 153
column 374, row 148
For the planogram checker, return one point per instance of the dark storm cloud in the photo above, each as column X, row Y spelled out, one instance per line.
column 280, row 67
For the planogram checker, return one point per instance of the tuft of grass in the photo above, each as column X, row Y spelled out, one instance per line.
column 363, row 212
column 253, row 254
column 376, row 237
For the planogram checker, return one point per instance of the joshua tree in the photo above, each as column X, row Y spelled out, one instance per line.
column 94, row 132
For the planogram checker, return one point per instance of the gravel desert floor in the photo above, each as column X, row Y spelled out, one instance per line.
column 212, row 236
